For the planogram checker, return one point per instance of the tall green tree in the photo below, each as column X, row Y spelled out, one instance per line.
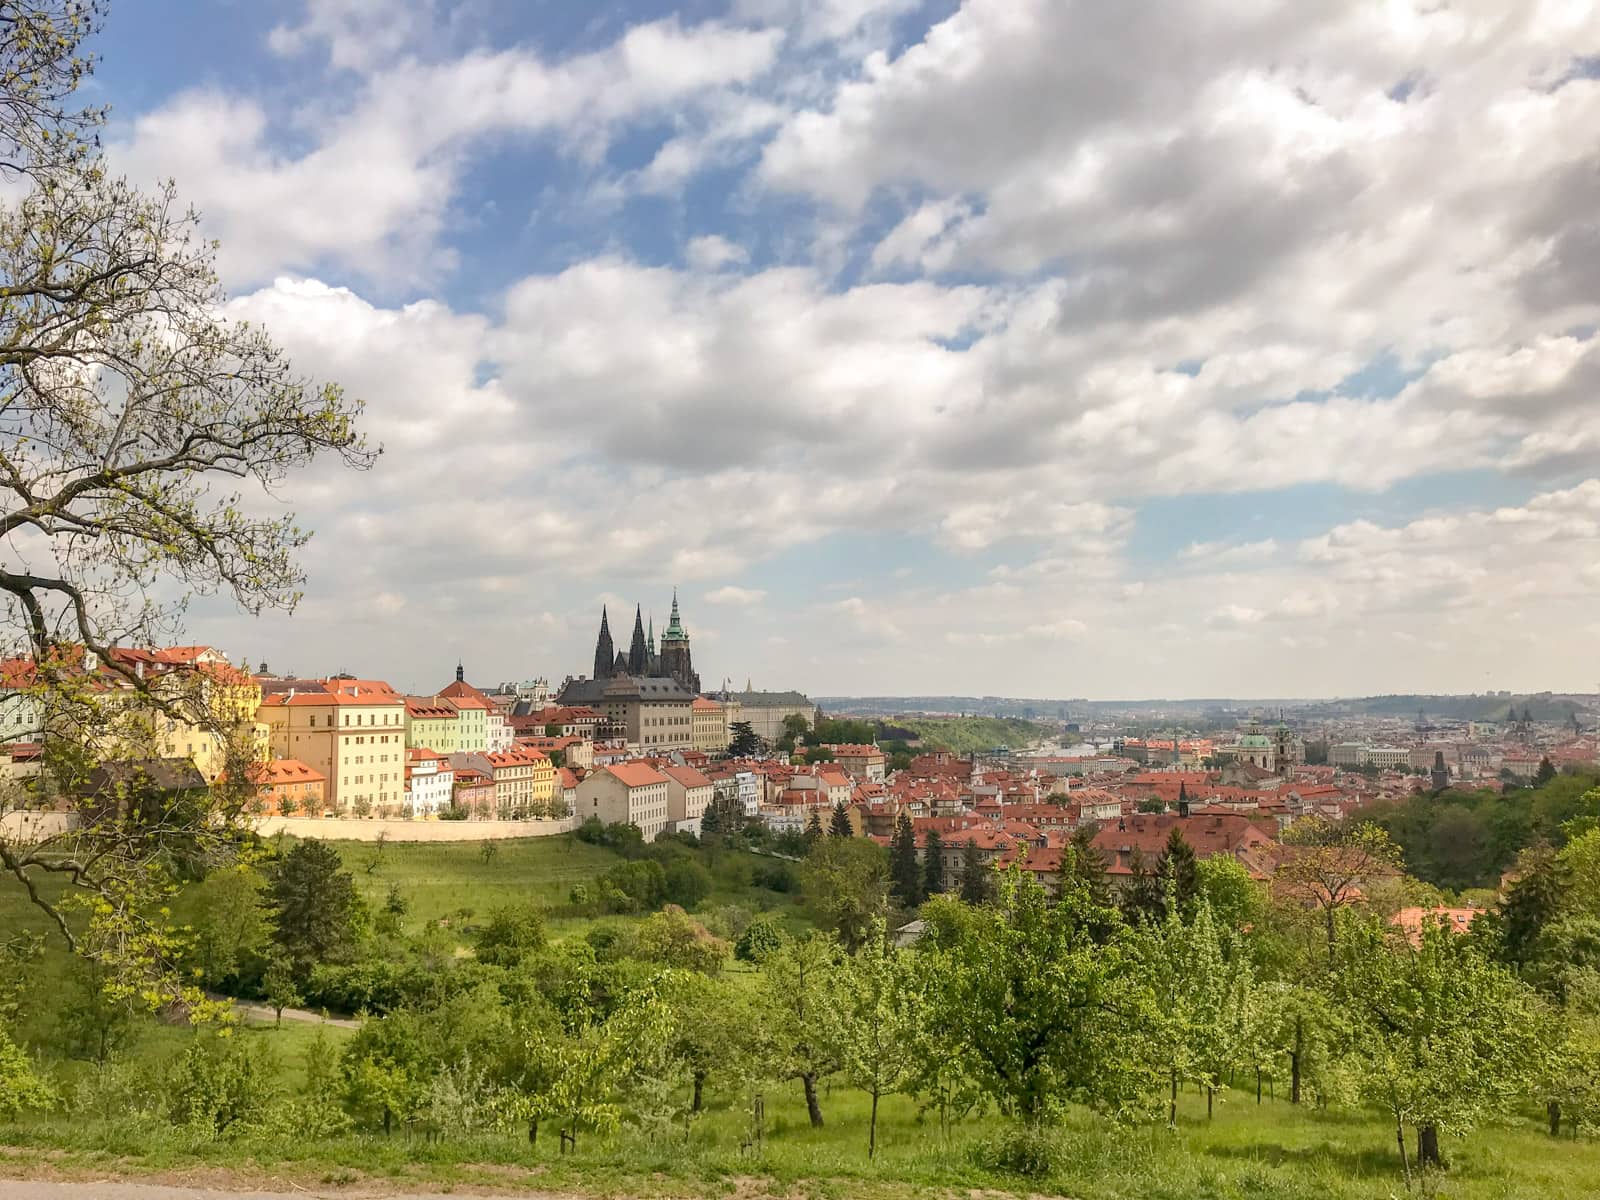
column 1178, row 865
column 133, row 407
column 313, row 906
column 1087, row 865
column 845, row 882
column 814, row 833
column 977, row 879
column 1545, row 773
column 1532, row 902
column 745, row 740
column 904, row 870
column 840, row 826
column 932, row 864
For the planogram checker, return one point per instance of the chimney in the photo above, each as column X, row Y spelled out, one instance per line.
column 291, row 693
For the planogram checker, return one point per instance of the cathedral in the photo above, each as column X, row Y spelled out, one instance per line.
column 642, row 660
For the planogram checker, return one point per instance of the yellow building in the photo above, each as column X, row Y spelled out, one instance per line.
column 432, row 724
column 354, row 735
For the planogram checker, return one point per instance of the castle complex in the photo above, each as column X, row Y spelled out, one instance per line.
column 642, row 659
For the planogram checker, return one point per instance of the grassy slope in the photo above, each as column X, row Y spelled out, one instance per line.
column 1271, row 1151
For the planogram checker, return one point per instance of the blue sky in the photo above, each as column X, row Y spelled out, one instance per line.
column 1013, row 346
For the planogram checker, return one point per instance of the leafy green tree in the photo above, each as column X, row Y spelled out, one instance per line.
column 800, row 994
column 818, row 754
column 904, row 869
column 314, row 908
column 95, row 1017
column 279, row 988
column 932, row 864
column 840, row 826
column 1533, row 901
column 674, row 938
column 1445, row 1035
column 716, row 1032
column 845, row 882
column 1580, row 864
column 511, row 934
column 1545, row 773
column 1087, row 866
column 1237, row 901
column 814, row 833
column 977, row 879
column 1144, row 898
column 745, row 742
column 763, row 936
column 386, row 1069
column 877, row 1033
column 1203, row 984
column 1044, row 1014
column 688, row 882
column 132, row 403
column 231, row 929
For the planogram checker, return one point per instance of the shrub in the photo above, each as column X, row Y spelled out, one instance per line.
column 222, row 1087
column 1027, row 1150
column 512, row 933
column 763, row 936
column 20, row 1085
column 687, row 882
column 676, row 939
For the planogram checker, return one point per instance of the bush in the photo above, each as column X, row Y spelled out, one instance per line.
column 776, row 877
column 222, row 1087
column 687, row 883
column 729, row 921
column 763, row 936
column 20, row 1086
column 676, row 939
column 512, row 933
column 1027, row 1150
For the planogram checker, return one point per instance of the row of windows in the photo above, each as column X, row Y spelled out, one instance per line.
column 361, row 719
column 666, row 720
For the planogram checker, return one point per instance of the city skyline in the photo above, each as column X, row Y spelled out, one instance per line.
column 1263, row 369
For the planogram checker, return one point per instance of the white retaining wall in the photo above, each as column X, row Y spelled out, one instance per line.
column 338, row 829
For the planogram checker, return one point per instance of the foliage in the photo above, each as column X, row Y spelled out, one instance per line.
column 279, row 988
column 879, row 1018
column 222, row 1086
column 905, row 872
column 95, row 1020
column 1046, row 1016
column 800, row 994
column 231, row 931
column 1331, row 862
column 763, row 936
column 675, row 939
column 314, row 908
column 977, row 884
column 839, row 825
column 512, row 932
column 744, row 741
column 846, row 884
column 932, row 864
column 21, row 1086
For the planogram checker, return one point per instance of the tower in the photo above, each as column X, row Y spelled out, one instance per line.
column 604, row 652
column 652, row 663
column 461, row 672
column 638, row 656
column 676, row 660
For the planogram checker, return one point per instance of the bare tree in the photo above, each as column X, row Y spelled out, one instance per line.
column 143, row 437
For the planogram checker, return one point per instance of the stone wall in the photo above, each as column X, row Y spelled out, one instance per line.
column 28, row 826
column 339, row 829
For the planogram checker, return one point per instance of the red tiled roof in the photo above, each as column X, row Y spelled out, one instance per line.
column 636, row 774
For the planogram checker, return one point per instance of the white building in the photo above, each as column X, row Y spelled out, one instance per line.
column 749, row 785
column 627, row 793
column 430, row 782
column 688, row 794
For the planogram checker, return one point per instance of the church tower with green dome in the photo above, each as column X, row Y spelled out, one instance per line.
column 676, row 662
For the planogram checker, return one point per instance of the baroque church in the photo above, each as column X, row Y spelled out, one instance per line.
column 642, row 660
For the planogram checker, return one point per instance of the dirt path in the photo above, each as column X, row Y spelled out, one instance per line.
column 264, row 1015
column 116, row 1189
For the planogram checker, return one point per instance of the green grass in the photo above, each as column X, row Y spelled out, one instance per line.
column 1245, row 1152
column 963, row 735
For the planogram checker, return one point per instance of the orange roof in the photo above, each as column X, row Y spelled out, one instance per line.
column 633, row 774
column 321, row 699
column 289, row 770
column 701, row 704
column 686, row 776
column 363, row 687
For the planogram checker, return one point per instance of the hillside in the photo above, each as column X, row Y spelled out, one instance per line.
column 963, row 735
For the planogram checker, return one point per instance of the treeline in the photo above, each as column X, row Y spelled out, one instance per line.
column 1459, row 839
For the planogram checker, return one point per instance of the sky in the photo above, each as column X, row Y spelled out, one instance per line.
column 1018, row 347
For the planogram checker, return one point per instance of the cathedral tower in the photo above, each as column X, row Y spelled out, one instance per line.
column 603, row 650
column 638, row 656
column 675, row 658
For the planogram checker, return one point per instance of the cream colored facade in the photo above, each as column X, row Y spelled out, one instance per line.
column 709, row 726
column 357, row 742
column 628, row 793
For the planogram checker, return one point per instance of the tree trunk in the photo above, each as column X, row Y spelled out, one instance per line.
column 809, row 1082
column 533, row 1132
column 1400, row 1140
column 872, row 1129
column 1172, row 1109
column 1553, row 1111
column 388, row 1121
column 1258, row 1085
column 1428, row 1147
column 699, row 1092
column 1210, row 1091
column 1294, row 1059
column 1331, row 929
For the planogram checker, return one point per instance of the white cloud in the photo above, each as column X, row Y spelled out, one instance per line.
column 734, row 596
column 712, row 252
column 1229, row 553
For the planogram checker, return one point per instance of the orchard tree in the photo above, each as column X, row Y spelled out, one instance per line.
column 800, row 997
column 1444, row 1034
column 1330, row 863
column 141, row 430
column 846, row 884
column 878, row 1023
column 1044, row 1015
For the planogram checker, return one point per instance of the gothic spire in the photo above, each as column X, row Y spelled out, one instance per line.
column 638, row 656
column 603, row 650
